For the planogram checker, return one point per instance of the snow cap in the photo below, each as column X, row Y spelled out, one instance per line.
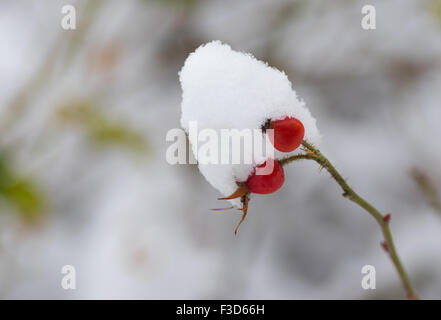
column 226, row 89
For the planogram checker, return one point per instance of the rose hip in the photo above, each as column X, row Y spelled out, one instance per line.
column 264, row 184
column 288, row 134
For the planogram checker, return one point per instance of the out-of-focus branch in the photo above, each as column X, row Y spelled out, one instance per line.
column 65, row 46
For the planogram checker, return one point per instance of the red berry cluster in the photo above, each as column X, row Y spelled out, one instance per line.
column 287, row 136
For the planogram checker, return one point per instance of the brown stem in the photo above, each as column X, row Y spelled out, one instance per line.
column 314, row 154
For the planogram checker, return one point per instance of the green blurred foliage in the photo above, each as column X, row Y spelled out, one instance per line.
column 21, row 193
column 435, row 9
column 101, row 129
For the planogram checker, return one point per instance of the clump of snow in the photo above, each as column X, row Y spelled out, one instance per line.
column 226, row 89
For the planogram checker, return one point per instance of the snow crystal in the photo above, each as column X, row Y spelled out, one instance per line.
column 225, row 89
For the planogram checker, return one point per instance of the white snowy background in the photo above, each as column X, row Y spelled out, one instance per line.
column 83, row 119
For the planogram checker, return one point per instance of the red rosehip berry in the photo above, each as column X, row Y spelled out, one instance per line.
column 264, row 184
column 288, row 134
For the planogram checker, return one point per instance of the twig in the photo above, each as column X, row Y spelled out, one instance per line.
column 383, row 220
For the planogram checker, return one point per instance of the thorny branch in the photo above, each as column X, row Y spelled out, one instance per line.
column 311, row 153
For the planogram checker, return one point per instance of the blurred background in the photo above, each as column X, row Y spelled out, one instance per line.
column 83, row 176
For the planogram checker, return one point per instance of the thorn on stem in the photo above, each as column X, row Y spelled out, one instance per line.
column 309, row 152
column 346, row 195
column 385, row 246
column 386, row 218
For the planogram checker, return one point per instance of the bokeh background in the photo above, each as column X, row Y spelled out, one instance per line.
column 83, row 176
